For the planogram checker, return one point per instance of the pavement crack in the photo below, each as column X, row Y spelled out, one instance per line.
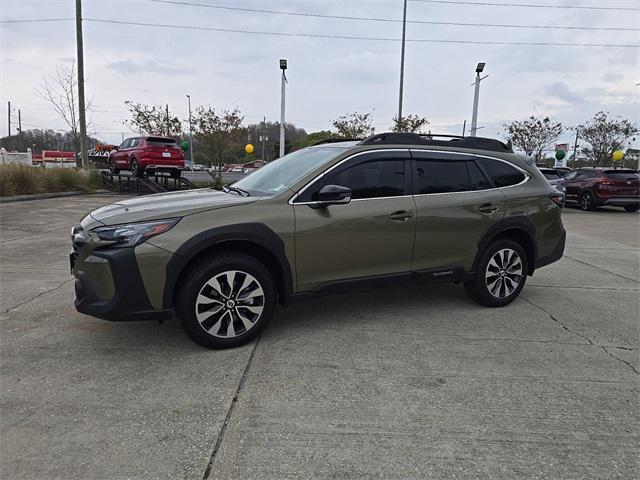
column 227, row 418
column 635, row 370
column 589, row 341
column 602, row 269
column 36, row 297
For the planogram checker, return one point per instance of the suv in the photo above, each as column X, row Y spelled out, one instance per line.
column 147, row 155
column 554, row 178
column 389, row 209
column 590, row 188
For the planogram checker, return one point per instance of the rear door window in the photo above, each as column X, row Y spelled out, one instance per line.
column 477, row 180
column 441, row 176
column 502, row 174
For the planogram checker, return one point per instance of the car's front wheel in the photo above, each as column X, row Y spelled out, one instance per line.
column 500, row 276
column 586, row 201
column 226, row 301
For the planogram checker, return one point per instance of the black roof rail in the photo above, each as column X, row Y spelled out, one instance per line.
column 336, row 140
column 405, row 138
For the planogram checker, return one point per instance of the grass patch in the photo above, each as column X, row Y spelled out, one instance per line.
column 25, row 180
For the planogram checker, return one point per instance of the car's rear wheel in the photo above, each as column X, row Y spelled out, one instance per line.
column 586, row 201
column 136, row 171
column 112, row 168
column 500, row 276
column 226, row 301
column 632, row 208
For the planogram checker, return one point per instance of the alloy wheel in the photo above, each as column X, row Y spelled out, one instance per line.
column 229, row 304
column 504, row 273
column 586, row 201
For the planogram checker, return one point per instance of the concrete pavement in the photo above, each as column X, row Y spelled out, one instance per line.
column 406, row 383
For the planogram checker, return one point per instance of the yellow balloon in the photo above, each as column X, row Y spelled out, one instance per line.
column 248, row 148
column 618, row 155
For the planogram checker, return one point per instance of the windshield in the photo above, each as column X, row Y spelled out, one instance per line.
column 282, row 173
column 551, row 175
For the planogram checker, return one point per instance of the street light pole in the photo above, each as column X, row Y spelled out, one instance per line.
column 190, row 132
column 81, row 103
column 476, row 98
column 283, row 67
column 404, row 31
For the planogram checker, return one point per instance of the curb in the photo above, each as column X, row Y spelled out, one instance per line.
column 42, row 196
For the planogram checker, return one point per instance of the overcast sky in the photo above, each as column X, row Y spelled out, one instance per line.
column 327, row 77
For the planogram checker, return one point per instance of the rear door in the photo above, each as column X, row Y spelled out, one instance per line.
column 456, row 204
column 370, row 236
column 619, row 184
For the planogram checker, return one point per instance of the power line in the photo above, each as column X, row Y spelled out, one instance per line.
column 527, row 5
column 37, row 20
column 350, row 37
column 386, row 20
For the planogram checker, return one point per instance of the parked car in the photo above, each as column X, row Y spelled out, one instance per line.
column 198, row 168
column 390, row 209
column 563, row 171
column 235, row 170
column 554, row 178
column 146, row 156
column 590, row 188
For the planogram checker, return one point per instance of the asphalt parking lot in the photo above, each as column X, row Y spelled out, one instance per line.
column 411, row 384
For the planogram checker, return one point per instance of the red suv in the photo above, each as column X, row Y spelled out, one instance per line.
column 147, row 155
column 594, row 187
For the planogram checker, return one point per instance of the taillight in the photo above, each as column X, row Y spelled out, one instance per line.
column 558, row 198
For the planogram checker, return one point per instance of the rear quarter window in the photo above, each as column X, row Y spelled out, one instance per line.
column 502, row 174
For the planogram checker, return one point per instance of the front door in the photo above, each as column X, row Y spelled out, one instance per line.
column 457, row 204
column 370, row 236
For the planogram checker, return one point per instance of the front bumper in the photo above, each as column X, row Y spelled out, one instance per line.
column 129, row 300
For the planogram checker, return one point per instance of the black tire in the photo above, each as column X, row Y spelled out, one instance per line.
column 176, row 173
column 200, row 279
column 112, row 168
column 136, row 171
column 632, row 208
column 479, row 288
column 587, row 201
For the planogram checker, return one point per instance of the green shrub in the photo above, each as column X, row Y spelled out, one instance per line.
column 25, row 180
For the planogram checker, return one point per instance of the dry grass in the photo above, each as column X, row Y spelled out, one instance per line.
column 25, row 180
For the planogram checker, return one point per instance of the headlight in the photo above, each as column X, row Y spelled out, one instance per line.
column 132, row 234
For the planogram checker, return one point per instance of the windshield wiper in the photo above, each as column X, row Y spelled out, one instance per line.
column 239, row 191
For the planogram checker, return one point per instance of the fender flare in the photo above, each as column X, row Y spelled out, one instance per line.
column 252, row 233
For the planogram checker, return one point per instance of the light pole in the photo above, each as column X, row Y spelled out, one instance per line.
column 283, row 67
column 81, row 104
column 476, row 98
column 404, row 31
column 190, row 132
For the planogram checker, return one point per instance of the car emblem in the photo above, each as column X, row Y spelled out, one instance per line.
column 628, row 182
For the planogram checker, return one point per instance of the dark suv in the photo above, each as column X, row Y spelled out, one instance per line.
column 590, row 188
column 390, row 209
column 147, row 155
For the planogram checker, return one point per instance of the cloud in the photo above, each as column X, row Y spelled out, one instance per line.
column 611, row 77
column 132, row 67
column 562, row 91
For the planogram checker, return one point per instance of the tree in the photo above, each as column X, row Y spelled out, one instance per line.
column 61, row 92
column 219, row 132
column 314, row 137
column 604, row 136
column 270, row 132
column 533, row 136
column 354, row 125
column 38, row 140
column 153, row 120
column 409, row 123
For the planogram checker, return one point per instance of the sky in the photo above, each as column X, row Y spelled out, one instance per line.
column 327, row 77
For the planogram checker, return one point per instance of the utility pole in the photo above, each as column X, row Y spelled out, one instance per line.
column 464, row 128
column 283, row 67
column 190, row 132
column 9, row 116
column 167, row 106
column 19, row 129
column 81, row 104
column 575, row 149
column 476, row 98
column 404, row 31
column 262, row 136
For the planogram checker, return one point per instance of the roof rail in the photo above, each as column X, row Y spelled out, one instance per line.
column 336, row 140
column 405, row 138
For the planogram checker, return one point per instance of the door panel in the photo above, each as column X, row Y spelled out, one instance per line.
column 372, row 235
column 460, row 206
column 357, row 239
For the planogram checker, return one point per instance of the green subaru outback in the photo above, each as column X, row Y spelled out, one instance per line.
column 389, row 209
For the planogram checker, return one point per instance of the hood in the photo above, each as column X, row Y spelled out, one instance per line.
column 167, row 205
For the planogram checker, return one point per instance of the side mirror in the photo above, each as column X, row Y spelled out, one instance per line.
column 333, row 195
column 115, row 149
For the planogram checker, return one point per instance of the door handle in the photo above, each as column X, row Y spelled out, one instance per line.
column 487, row 208
column 401, row 216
